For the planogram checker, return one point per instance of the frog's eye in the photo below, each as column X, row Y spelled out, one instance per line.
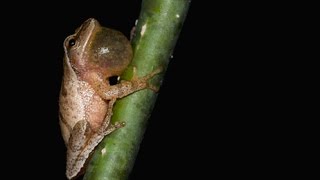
column 113, row 80
column 72, row 42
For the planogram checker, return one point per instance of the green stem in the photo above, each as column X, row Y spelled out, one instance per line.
column 156, row 34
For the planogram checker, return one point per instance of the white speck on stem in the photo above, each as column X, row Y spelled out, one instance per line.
column 143, row 29
column 103, row 50
column 177, row 15
column 103, row 151
column 136, row 22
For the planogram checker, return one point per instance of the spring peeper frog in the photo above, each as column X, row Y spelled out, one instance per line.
column 92, row 55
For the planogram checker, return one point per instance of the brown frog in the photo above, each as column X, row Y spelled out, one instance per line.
column 93, row 55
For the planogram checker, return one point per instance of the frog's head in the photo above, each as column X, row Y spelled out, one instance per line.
column 94, row 48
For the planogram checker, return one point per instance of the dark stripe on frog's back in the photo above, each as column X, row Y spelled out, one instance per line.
column 65, row 122
column 63, row 90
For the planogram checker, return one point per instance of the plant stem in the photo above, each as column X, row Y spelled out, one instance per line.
column 157, row 31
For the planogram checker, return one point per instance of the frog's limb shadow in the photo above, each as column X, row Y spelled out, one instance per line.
column 107, row 127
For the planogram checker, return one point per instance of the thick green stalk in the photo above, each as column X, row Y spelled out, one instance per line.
column 156, row 34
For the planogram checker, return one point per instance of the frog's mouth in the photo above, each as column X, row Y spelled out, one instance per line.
column 76, row 45
column 88, row 24
column 85, row 33
column 82, row 35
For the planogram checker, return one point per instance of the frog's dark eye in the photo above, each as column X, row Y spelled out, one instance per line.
column 113, row 80
column 72, row 42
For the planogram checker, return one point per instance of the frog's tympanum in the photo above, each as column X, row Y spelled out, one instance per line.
column 93, row 55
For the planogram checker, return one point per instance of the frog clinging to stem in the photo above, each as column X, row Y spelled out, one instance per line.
column 93, row 55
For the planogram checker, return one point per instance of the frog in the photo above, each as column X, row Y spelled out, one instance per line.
column 92, row 56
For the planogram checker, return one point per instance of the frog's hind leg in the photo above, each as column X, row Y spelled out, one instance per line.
column 76, row 151
column 78, row 135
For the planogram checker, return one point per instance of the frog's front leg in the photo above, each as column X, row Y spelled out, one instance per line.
column 125, row 88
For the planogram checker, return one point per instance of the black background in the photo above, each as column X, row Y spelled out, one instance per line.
column 209, row 100
column 32, row 75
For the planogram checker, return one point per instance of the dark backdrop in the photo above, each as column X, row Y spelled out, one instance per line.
column 32, row 74
column 212, row 111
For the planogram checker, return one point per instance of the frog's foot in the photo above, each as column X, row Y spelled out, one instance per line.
column 153, row 88
column 146, row 78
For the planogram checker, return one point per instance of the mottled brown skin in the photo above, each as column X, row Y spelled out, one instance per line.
column 92, row 55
